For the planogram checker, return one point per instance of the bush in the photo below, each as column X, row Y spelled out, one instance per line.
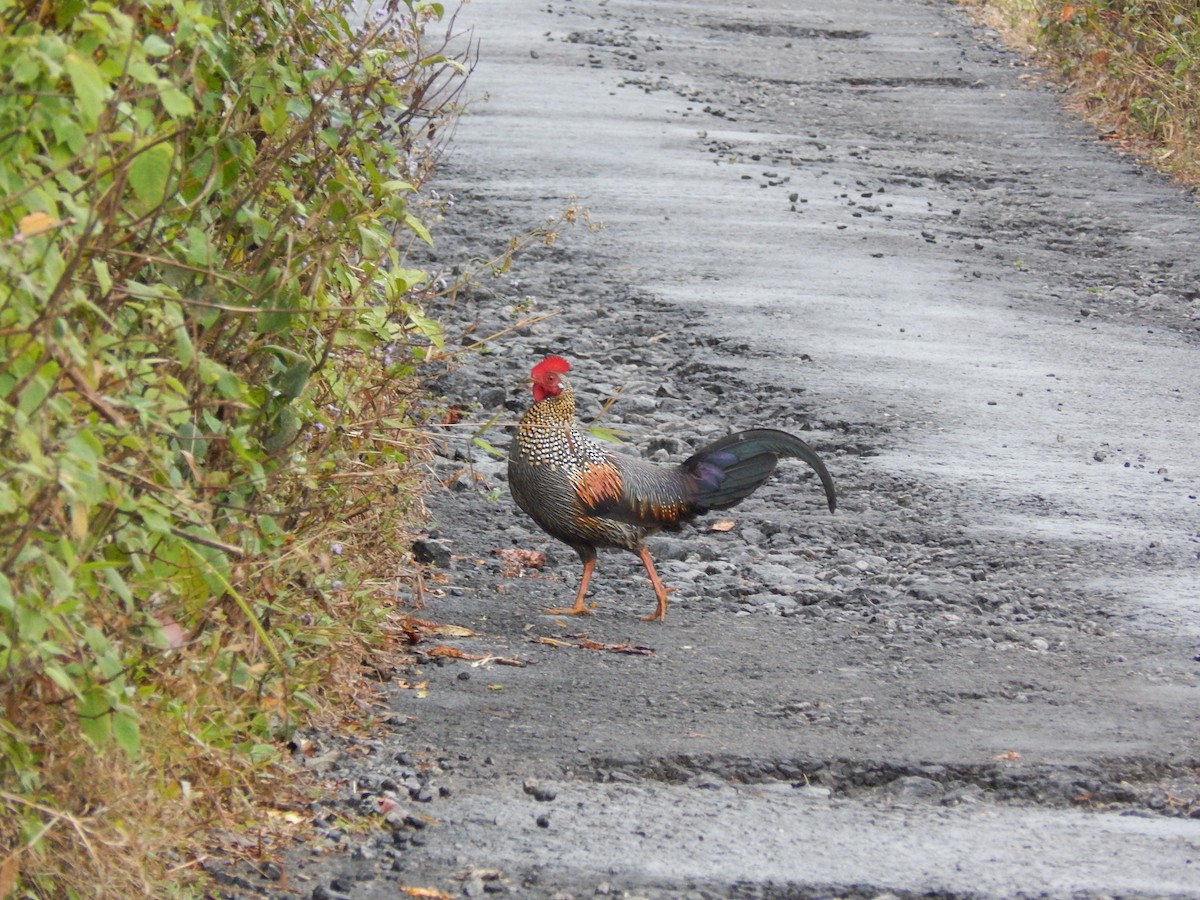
column 208, row 421
column 1134, row 65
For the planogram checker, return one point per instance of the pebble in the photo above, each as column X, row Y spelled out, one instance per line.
column 431, row 552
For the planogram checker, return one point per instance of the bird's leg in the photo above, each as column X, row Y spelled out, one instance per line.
column 579, row 609
column 660, row 592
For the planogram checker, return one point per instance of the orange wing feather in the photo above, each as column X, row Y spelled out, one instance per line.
column 597, row 484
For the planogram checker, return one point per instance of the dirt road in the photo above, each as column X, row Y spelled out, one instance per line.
column 865, row 222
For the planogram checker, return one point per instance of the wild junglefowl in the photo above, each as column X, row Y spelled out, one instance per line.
column 588, row 498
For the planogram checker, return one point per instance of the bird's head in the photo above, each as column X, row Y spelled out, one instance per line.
column 546, row 377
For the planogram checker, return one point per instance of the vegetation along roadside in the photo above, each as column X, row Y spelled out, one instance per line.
column 211, row 342
column 1133, row 69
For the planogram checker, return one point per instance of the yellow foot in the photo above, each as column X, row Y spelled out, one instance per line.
column 568, row 611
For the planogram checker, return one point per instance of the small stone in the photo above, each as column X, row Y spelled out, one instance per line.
column 539, row 792
column 430, row 552
column 543, row 821
column 492, row 397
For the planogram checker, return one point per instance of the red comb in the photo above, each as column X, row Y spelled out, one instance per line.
column 550, row 364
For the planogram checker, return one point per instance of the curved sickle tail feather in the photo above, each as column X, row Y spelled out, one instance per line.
column 731, row 469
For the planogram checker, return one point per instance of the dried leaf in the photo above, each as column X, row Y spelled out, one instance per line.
column 723, row 525
column 286, row 816
column 515, row 560
column 553, row 642
column 583, row 642
column 10, row 871
column 451, row 652
column 413, row 626
column 35, row 223
column 631, row 650
column 432, row 893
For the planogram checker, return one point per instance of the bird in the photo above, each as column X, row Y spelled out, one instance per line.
column 589, row 498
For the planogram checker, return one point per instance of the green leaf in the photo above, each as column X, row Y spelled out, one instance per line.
column 177, row 104
column 142, row 72
column 155, row 521
column 95, row 715
column 404, row 280
column 90, row 87
column 484, row 445
column 153, row 45
column 604, row 434
column 118, row 586
column 150, row 172
column 291, row 383
column 286, row 427
column 7, row 602
column 126, row 733
column 418, row 228
column 25, row 69
column 103, row 276
column 430, row 328
column 59, row 676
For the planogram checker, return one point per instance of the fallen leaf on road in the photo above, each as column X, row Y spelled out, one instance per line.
column 553, row 642
column 432, row 893
column 514, row 560
column 500, row 661
column 583, row 642
column 723, row 525
column 416, row 629
column 476, row 659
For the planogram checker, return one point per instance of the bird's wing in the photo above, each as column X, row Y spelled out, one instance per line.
column 635, row 492
column 598, row 485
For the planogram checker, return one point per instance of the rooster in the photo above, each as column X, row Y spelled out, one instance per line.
column 589, row 498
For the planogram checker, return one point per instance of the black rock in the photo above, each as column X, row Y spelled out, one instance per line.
column 492, row 397
column 434, row 553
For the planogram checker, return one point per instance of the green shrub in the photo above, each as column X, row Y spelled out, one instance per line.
column 207, row 417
